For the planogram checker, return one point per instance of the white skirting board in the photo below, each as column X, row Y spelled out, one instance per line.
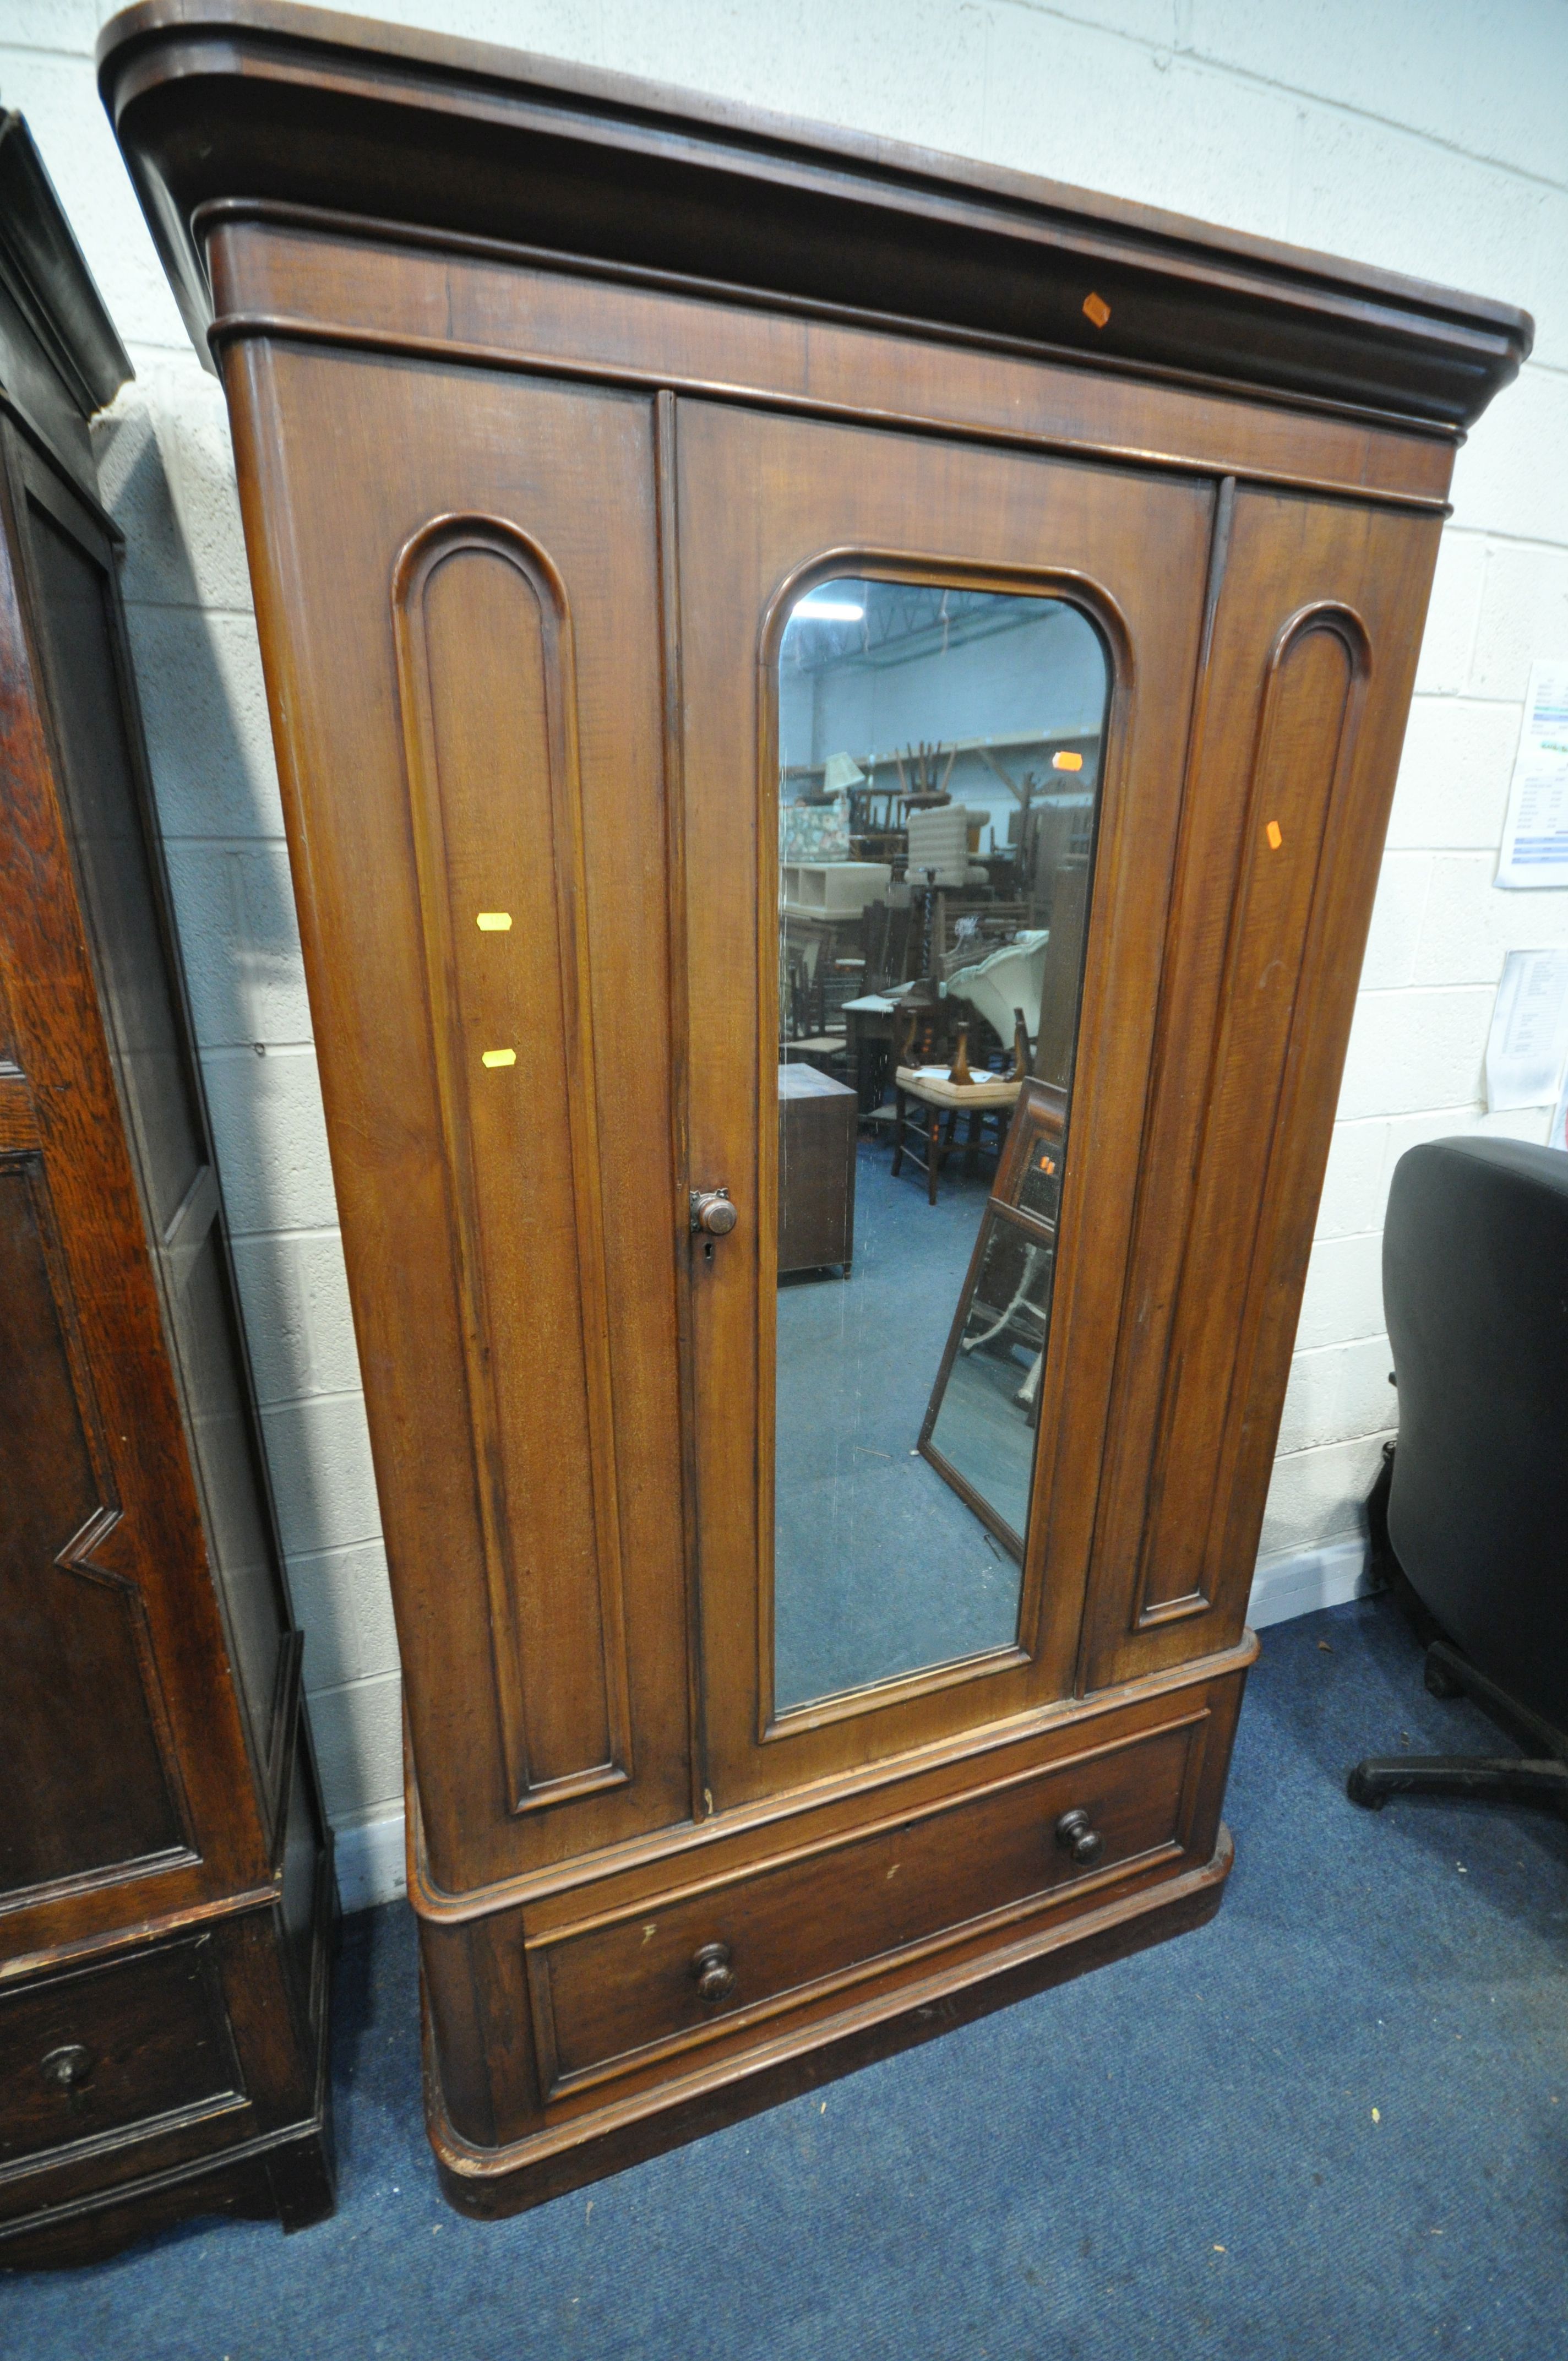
column 370, row 1864
column 1298, row 1582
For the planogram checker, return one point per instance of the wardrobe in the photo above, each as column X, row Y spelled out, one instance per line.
column 167, row 1904
column 614, row 461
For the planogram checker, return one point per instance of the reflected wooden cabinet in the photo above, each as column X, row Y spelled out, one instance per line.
column 613, row 465
column 166, row 1886
column 816, row 1152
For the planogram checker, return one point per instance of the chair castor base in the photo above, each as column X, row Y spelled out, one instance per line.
column 1439, row 1676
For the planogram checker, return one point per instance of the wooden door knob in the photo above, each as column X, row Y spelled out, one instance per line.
column 713, row 1213
column 713, row 1976
column 1076, row 1837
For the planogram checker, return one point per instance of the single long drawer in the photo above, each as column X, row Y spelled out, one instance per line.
column 609, row 1989
column 110, row 2049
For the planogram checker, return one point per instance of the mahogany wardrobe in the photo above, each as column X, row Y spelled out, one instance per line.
column 636, row 490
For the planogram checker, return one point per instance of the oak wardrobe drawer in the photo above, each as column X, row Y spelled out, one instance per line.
column 112, row 2049
column 739, row 1946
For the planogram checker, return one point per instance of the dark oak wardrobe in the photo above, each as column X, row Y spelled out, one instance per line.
column 166, row 1888
column 623, row 472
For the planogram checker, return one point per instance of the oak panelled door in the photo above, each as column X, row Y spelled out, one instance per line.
column 851, row 1604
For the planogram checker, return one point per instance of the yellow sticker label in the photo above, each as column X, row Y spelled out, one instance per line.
column 499, row 1057
column 1067, row 762
column 1274, row 836
column 495, row 922
column 1096, row 308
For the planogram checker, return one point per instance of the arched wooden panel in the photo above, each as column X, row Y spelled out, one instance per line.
column 1306, row 728
column 485, row 675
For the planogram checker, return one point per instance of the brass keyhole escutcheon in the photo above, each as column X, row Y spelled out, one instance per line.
column 713, row 1976
column 1076, row 1837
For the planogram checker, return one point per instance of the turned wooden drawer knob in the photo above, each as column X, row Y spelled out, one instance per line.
column 713, row 1976
column 69, row 2067
column 1076, row 1837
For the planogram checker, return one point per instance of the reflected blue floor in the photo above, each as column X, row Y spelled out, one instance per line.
column 879, row 1567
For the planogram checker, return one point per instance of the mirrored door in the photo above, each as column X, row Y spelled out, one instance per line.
column 913, row 765
column 939, row 758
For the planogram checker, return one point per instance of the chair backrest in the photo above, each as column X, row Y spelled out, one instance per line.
column 1475, row 1287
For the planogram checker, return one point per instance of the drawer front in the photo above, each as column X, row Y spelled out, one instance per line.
column 607, row 1991
column 106, row 2049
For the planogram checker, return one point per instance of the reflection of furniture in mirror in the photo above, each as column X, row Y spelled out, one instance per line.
column 876, row 816
column 964, row 933
column 548, row 473
column 817, row 1170
column 821, row 960
column 166, row 1886
column 887, row 951
column 830, row 890
column 939, row 842
column 980, row 1422
column 868, row 1043
column 943, row 1103
column 1006, row 980
column 1060, row 973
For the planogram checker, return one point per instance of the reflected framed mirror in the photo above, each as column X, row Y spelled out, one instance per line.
column 941, row 752
column 978, row 1430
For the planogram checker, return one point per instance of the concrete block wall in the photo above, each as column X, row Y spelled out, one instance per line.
column 1425, row 135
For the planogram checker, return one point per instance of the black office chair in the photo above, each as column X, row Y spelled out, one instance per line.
column 1469, row 1518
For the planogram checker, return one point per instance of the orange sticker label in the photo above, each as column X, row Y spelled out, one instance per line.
column 1095, row 308
column 1275, row 838
column 1067, row 762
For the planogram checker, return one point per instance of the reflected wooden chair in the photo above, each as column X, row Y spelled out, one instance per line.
column 927, row 1106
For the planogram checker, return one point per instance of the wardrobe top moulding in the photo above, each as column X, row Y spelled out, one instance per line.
column 231, row 109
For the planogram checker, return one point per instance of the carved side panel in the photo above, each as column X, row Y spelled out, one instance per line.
column 1306, row 731
column 486, row 678
column 82, row 1770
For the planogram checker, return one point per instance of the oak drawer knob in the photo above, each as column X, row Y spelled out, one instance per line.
column 713, row 1976
column 68, row 2066
column 1076, row 1837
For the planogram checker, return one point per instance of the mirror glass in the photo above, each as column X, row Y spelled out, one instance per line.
column 940, row 763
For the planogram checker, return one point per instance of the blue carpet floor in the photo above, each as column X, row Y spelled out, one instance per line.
column 1333, row 2123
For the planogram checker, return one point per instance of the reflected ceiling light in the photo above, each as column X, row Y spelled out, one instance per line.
column 1067, row 762
column 828, row 610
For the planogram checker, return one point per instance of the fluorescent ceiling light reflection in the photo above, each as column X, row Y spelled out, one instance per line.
column 828, row 610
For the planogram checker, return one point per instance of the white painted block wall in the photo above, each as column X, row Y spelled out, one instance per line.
column 1428, row 135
